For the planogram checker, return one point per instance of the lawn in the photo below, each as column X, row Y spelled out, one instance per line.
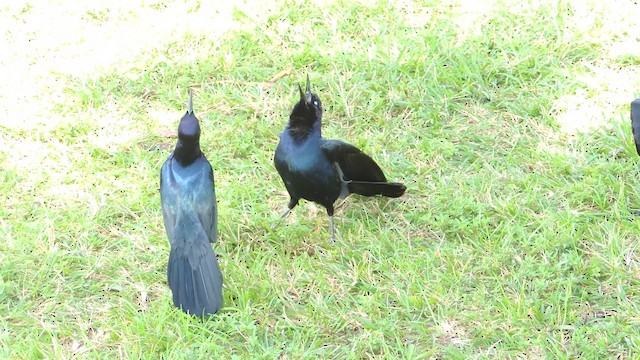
column 507, row 120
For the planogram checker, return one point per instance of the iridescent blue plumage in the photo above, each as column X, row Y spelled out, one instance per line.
column 190, row 220
column 321, row 170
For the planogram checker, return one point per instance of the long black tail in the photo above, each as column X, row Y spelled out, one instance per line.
column 195, row 278
column 635, row 123
column 388, row 189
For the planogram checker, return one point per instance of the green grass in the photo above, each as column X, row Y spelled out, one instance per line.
column 515, row 238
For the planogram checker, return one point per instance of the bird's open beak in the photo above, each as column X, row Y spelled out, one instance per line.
column 307, row 95
column 190, row 106
column 303, row 97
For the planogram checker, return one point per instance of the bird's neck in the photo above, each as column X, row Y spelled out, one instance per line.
column 187, row 151
column 302, row 132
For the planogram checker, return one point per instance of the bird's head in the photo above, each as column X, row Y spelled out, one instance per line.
column 308, row 111
column 189, row 128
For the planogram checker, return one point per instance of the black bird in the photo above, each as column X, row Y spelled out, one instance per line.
column 190, row 219
column 322, row 170
column 635, row 122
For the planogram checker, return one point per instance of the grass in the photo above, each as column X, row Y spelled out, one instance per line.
column 507, row 121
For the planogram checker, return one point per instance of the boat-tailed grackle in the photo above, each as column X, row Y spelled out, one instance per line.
column 322, row 170
column 190, row 220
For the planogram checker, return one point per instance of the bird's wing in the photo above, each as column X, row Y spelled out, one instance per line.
column 169, row 197
column 206, row 199
column 635, row 123
column 354, row 164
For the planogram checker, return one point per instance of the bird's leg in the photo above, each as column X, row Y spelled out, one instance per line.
column 332, row 228
column 292, row 204
column 284, row 214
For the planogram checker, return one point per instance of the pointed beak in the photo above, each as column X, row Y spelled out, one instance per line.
column 190, row 106
column 303, row 97
column 307, row 95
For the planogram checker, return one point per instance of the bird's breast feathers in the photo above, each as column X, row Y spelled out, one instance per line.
column 190, row 186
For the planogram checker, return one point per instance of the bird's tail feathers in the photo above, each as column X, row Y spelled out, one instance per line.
column 389, row 189
column 194, row 277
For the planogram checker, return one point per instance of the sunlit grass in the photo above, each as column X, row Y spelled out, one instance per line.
column 508, row 123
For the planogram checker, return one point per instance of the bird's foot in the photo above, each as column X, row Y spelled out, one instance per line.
column 284, row 214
